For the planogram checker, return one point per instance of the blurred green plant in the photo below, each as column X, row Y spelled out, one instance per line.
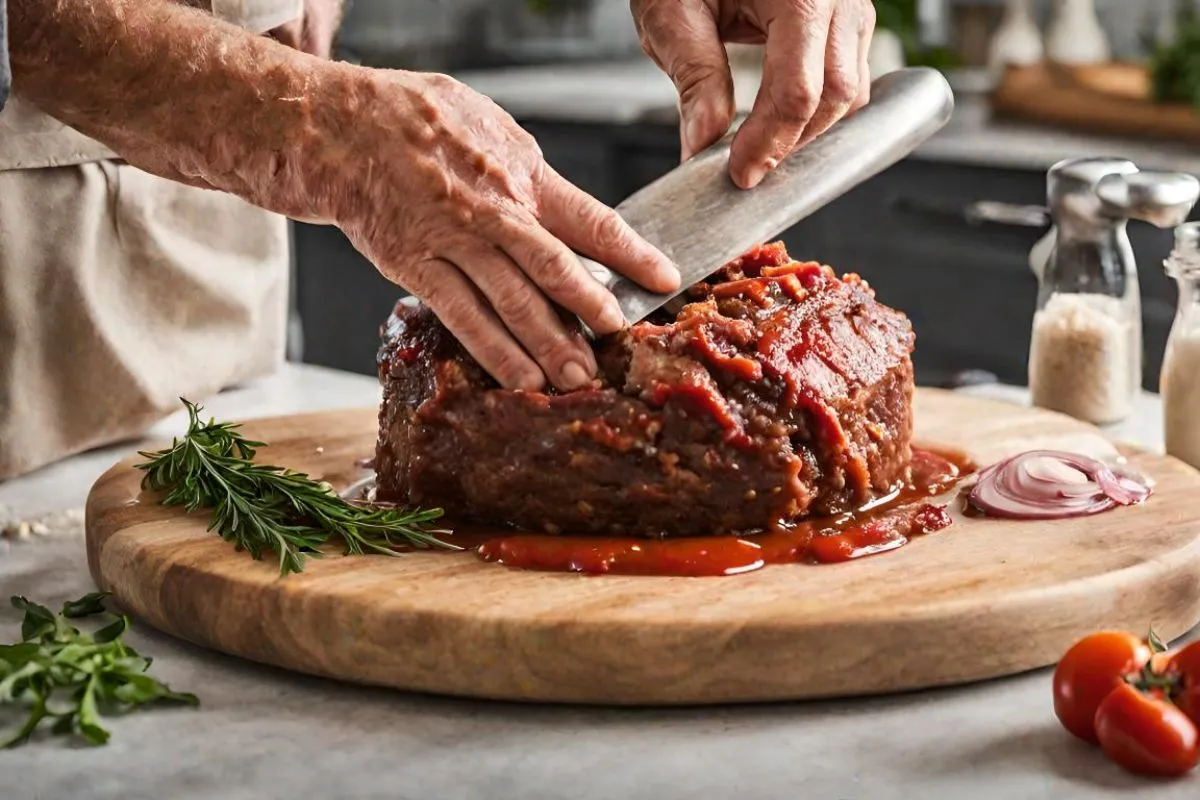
column 900, row 17
column 897, row 16
column 552, row 8
column 1175, row 66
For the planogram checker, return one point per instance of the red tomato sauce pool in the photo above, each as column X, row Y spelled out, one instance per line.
column 885, row 525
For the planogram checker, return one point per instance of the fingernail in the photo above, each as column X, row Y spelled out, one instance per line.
column 611, row 318
column 755, row 174
column 672, row 275
column 531, row 382
column 573, row 376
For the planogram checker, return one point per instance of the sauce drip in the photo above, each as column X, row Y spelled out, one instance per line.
column 886, row 524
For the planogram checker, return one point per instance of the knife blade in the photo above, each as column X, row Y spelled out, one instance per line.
column 700, row 220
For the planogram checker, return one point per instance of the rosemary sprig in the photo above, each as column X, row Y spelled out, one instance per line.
column 259, row 507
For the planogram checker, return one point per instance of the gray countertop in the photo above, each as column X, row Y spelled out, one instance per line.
column 628, row 92
column 264, row 733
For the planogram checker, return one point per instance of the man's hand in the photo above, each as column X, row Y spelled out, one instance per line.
column 434, row 183
column 452, row 200
column 461, row 210
column 313, row 32
column 815, row 71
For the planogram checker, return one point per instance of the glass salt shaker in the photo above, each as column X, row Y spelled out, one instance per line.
column 1180, row 378
column 1085, row 355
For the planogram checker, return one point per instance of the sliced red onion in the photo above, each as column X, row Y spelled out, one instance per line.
column 1052, row 484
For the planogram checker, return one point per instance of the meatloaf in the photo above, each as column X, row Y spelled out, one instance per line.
column 778, row 391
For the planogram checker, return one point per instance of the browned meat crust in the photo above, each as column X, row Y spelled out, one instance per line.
column 781, row 391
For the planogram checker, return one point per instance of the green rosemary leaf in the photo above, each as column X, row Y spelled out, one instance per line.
column 260, row 508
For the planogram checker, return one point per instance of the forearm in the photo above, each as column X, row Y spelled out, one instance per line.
column 186, row 96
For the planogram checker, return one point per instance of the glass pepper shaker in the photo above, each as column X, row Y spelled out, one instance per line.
column 1180, row 378
column 1085, row 355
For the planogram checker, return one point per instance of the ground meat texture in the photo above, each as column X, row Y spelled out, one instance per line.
column 780, row 391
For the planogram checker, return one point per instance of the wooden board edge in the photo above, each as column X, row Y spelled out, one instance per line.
column 1187, row 604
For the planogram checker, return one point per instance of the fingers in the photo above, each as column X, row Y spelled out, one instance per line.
column 566, row 359
column 683, row 39
column 793, row 78
column 557, row 272
column 814, row 74
column 589, row 227
column 445, row 289
column 322, row 21
column 866, row 32
column 314, row 31
column 502, row 319
column 289, row 33
column 318, row 41
column 842, row 65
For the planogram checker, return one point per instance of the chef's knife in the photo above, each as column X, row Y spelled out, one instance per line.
column 700, row 220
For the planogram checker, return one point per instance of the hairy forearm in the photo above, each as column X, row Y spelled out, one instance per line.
column 183, row 95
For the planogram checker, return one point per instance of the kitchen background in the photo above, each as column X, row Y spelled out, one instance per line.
column 945, row 235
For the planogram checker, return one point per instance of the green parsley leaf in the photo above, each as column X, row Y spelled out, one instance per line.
column 73, row 679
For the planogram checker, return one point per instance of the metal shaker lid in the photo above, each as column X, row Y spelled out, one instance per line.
column 1071, row 188
column 1163, row 199
column 1098, row 191
column 1184, row 260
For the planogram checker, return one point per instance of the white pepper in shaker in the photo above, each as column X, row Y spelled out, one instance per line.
column 1180, row 378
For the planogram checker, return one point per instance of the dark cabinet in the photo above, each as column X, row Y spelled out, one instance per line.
column 584, row 155
column 966, row 285
column 341, row 300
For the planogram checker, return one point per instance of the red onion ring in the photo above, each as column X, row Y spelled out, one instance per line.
column 1052, row 484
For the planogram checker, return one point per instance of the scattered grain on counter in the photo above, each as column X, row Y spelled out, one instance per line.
column 57, row 523
column 16, row 531
column 1181, row 398
column 1083, row 360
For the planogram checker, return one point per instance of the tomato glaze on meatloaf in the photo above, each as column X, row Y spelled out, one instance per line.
column 779, row 391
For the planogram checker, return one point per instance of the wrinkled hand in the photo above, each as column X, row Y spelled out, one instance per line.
column 815, row 71
column 314, row 30
column 453, row 201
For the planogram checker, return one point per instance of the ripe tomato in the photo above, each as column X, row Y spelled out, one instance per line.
column 1145, row 734
column 1090, row 670
column 1184, row 667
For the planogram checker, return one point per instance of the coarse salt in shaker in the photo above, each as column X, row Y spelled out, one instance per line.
column 1180, row 378
column 1085, row 357
column 1085, row 352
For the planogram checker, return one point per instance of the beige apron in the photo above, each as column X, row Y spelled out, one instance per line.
column 121, row 292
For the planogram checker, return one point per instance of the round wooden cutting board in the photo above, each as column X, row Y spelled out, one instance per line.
column 981, row 599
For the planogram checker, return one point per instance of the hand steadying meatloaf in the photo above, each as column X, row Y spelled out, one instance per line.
column 780, row 391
